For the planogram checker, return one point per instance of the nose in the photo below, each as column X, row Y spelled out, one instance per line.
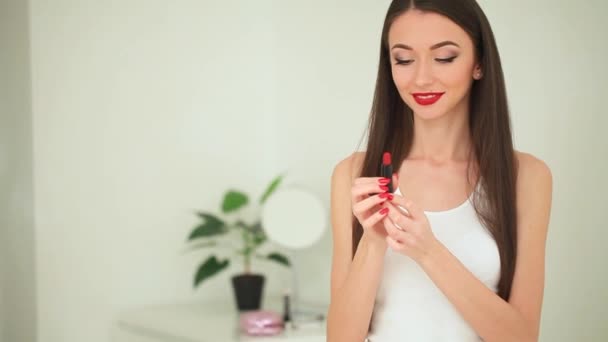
column 424, row 74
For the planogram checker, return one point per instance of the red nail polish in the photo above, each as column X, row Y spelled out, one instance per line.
column 383, row 188
column 384, row 195
column 384, row 181
column 384, row 211
column 390, row 197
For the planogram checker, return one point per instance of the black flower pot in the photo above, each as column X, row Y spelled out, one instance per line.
column 248, row 290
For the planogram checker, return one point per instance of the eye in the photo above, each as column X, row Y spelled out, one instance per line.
column 446, row 60
column 403, row 61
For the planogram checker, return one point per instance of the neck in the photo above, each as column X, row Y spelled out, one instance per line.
column 443, row 139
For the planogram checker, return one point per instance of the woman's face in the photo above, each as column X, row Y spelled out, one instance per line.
column 433, row 63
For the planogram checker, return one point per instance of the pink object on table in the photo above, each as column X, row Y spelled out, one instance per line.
column 261, row 323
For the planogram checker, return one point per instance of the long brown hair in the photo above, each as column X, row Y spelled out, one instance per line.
column 391, row 128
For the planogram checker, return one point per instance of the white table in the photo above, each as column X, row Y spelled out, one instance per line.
column 199, row 322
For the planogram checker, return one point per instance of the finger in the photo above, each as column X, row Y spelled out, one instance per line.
column 375, row 218
column 363, row 187
column 401, row 203
column 415, row 212
column 398, row 217
column 404, row 238
column 395, row 232
column 372, row 180
column 365, row 205
column 393, row 244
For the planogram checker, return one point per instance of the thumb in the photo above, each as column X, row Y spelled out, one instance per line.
column 414, row 210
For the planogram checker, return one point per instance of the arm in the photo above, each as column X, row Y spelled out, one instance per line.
column 354, row 282
column 493, row 318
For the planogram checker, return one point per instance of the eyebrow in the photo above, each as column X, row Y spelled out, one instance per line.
column 434, row 47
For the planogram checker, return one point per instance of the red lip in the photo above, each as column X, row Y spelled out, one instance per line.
column 427, row 99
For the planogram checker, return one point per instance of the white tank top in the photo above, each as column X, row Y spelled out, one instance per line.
column 410, row 307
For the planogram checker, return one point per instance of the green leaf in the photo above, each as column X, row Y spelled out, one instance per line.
column 234, row 200
column 201, row 245
column 209, row 268
column 271, row 188
column 259, row 237
column 255, row 228
column 208, row 217
column 281, row 259
column 212, row 226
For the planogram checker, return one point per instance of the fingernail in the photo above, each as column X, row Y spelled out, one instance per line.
column 383, row 188
column 384, row 195
column 384, row 211
column 390, row 197
column 384, row 181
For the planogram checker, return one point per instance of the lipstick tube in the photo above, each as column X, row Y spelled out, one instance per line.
column 386, row 170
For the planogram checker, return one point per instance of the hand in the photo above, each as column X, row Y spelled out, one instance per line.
column 409, row 233
column 368, row 195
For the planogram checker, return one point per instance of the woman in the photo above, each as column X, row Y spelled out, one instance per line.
column 457, row 252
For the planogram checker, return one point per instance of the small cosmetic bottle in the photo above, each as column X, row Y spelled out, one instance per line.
column 287, row 317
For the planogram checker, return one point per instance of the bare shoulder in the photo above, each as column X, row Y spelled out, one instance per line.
column 532, row 170
column 349, row 167
column 534, row 187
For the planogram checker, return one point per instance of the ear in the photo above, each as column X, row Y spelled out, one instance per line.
column 477, row 73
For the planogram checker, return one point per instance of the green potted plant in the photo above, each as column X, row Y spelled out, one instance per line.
column 213, row 229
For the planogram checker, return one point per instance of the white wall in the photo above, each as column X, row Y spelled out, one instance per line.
column 556, row 78
column 326, row 54
column 144, row 111
column 17, row 278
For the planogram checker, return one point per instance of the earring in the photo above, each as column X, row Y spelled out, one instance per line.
column 477, row 75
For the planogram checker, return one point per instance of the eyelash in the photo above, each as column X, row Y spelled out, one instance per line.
column 440, row 60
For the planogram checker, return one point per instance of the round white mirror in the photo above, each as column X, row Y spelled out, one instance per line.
column 294, row 218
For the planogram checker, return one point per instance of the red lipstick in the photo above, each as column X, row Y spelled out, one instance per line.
column 386, row 170
column 427, row 99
